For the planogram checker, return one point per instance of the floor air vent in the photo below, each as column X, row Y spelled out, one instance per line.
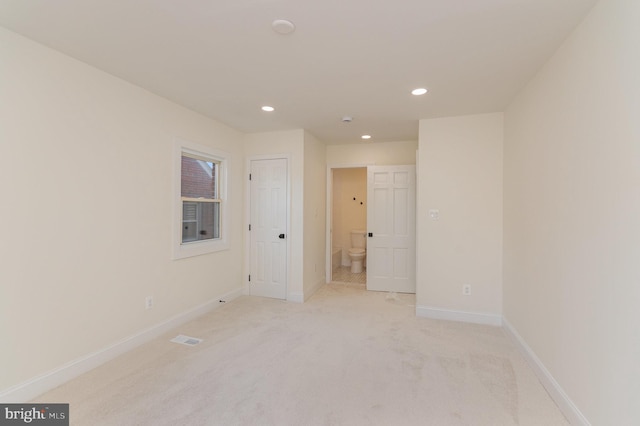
column 186, row 340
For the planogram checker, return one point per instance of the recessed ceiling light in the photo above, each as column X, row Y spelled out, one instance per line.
column 418, row 92
column 366, row 136
column 282, row 26
column 268, row 108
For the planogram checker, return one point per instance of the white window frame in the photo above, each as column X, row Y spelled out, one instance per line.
column 196, row 248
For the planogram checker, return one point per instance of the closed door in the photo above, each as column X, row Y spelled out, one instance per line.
column 391, row 228
column 268, row 244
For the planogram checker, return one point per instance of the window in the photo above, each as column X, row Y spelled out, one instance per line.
column 200, row 200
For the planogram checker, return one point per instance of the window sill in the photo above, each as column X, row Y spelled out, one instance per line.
column 198, row 248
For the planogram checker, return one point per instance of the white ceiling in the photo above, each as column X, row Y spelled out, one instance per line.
column 347, row 57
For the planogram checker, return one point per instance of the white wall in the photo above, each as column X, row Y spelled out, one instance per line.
column 348, row 214
column 290, row 143
column 315, row 169
column 460, row 174
column 572, row 215
column 86, row 218
column 374, row 153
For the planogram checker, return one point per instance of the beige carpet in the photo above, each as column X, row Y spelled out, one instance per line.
column 346, row 357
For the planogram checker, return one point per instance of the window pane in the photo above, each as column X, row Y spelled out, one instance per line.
column 198, row 178
column 200, row 221
column 190, row 212
column 189, row 222
column 210, row 221
column 189, row 232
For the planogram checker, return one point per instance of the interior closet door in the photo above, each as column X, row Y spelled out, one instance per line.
column 268, row 227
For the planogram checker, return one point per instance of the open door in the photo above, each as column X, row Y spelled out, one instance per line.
column 391, row 228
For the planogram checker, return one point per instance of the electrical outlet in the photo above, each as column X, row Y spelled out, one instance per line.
column 148, row 302
column 466, row 290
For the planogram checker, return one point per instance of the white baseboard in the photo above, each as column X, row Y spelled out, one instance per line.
column 314, row 288
column 32, row 388
column 562, row 400
column 301, row 297
column 460, row 316
column 296, row 297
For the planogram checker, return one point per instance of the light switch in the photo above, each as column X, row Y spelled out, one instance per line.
column 434, row 214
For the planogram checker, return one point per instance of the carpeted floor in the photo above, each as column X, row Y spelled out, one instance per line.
column 346, row 357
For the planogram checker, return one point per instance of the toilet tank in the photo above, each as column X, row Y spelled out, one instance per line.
column 358, row 239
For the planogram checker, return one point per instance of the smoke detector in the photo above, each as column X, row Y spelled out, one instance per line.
column 186, row 340
column 282, row 26
column 347, row 119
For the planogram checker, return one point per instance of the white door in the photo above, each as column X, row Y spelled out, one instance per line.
column 268, row 228
column 391, row 228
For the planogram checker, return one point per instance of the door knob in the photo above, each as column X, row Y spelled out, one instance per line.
column 281, row 236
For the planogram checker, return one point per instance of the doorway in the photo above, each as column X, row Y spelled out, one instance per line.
column 348, row 213
column 379, row 200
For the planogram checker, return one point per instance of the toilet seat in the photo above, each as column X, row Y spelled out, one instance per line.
column 356, row 251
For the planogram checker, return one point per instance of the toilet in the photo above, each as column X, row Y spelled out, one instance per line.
column 357, row 251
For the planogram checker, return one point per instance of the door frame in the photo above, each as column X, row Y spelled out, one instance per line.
column 329, row 212
column 246, row 289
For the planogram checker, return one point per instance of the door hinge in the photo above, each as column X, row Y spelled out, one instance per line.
column 249, row 227
column 249, row 176
column 249, row 277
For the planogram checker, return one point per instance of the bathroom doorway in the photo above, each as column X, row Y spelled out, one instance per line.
column 347, row 199
column 379, row 202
